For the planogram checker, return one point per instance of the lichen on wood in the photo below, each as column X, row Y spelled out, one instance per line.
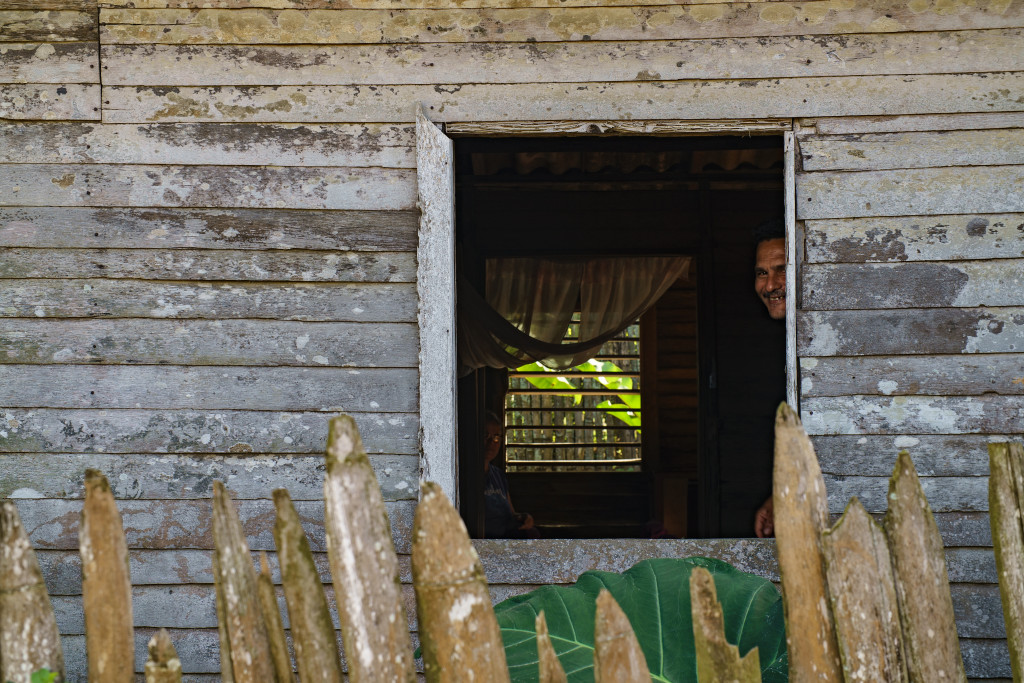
column 550, row 669
column 273, row 622
column 617, row 654
column 717, row 658
column 1006, row 504
column 163, row 665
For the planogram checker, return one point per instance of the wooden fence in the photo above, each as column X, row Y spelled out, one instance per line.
column 863, row 602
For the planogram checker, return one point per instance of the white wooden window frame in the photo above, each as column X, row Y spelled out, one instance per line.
column 435, row 254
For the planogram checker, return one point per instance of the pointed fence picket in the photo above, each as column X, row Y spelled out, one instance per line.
column 862, row 601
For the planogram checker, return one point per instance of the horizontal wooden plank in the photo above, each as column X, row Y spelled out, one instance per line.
column 288, row 187
column 915, row 238
column 25, row 25
column 892, row 332
column 720, row 99
column 855, row 125
column 49, row 101
column 848, row 194
column 952, row 375
column 945, row 494
column 913, row 285
column 78, row 227
column 959, row 529
column 51, row 430
column 985, row 414
column 935, row 455
column 665, row 22
column 345, row 145
column 210, row 388
column 986, row 659
column 386, row 4
column 187, row 524
column 84, row 5
column 49, row 63
column 880, row 151
column 368, row 302
column 209, row 265
column 768, row 126
column 978, row 611
column 446, row 63
column 173, row 477
column 200, row 342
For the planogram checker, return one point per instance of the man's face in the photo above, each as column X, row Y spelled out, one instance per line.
column 770, row 276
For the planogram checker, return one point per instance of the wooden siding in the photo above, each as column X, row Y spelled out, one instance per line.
column 208, row 233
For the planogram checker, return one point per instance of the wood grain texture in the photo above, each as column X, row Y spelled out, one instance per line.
column 23, row 25
column 621, row 127
column 211, row 388
column 956, row 375
column 913, row 285
column 50, row 101
column 447, row 63
column 1006, row 486
column 49, row 63
column 208, row 265
column 981, row 189
column 717, row 659
column 549, row 668
column 59, row 5
column 881, row 151
column 915, row 238
column 163, row 665
column 856, row 125
column 140, row 476
column 288, row 187
column 381, row 4
column 342, row 145
column 913, row 414
column 228, row 342
column 945, row 494
column 271, row 229
column 666, row 22
column 935, row 455
column 929, row 330
column 719, row 99
column 220, row 301
column 41, row 430
column 272, row 619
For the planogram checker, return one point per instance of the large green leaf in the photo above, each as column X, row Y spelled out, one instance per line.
column 655, row 595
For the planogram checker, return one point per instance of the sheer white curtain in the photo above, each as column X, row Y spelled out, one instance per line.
column 529, row 304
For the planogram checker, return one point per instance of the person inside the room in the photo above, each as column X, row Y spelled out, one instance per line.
column 770, row 287
column 500, row 518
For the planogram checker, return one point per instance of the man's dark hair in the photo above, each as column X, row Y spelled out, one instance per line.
column 771, row 229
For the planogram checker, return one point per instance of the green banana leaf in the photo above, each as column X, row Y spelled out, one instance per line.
column 655, row 595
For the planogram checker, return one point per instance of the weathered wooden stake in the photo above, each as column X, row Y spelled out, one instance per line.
column 717, row 659
column 272, row 622
column 248, row 649
column 1006, row 505
column 458, row 630
column 163, row 665
column 29, row 639
column 617, row 654
column 919, row 563
column 550, row 669
column 364, row 567
column 316, row 647
column 106, row 586
column 801, row 514
column 864, row 603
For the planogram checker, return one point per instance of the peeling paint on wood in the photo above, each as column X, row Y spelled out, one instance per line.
column 283, row 187
column 30, row 25
column 913, row 285
column 985, row 414
column 49, row 63
column 50, row 102
column 206, row 265
column 855, row 125
column 446, row 63
column 27, row 430
column 960, row 375
column 666, row 22
column 934, row 455
column 849, row 194
column 720, row 99
column 174, row 477
column 911, row 331
column 211, row 388
column 880, row 151
column 221, row 301
column 263, row 343
column 340, row 145
column 78, row 228
column 915, row 238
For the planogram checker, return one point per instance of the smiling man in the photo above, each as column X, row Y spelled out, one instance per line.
column 770, row 286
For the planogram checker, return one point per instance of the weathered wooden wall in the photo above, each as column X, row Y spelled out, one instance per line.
column 208, row 226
